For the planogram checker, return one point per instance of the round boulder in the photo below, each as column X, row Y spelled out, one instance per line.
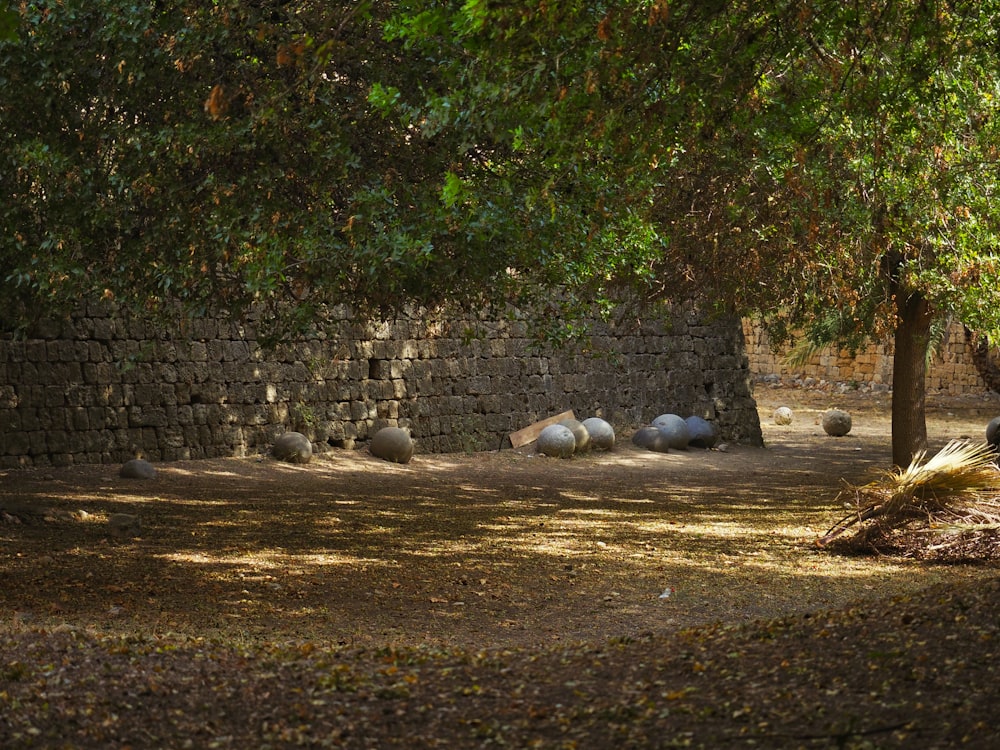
column 836, row 423
column 579, row 432
column 993, row 432
column 293, row 447
column 137, row 468
column 701, row 432
column 675, row 429
column 557, row 441
column 782, row 415
column 602, row 434
column 392, row 444
column 651, row 438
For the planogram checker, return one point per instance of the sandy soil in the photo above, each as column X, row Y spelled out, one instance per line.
column 628, row 599
column 494, row 549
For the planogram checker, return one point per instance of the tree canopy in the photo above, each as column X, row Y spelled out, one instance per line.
column 796, row 144
column 823, row 163
column 220, row 154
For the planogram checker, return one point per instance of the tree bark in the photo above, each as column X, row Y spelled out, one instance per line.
column 909, row 374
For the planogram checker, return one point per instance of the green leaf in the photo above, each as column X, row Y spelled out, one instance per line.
column 9, row 21
column 453, row 190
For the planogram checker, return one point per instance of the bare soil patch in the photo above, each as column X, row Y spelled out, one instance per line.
column 485, row 581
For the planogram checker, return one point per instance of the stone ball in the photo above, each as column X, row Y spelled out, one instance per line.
column 557, row 441
column 675, row 429
column 293, row 447
column 392, row 444
column 702, row 433
column 137, row 468
column 836, row 423
column 602, row 434
column 993, row 432
column 579, row 432
column 651, row 438
column 782, row 415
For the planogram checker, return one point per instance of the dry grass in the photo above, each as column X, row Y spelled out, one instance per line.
column 945, row 504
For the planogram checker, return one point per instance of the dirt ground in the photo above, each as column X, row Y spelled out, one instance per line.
column 490, row 553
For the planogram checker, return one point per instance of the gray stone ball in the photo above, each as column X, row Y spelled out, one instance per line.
column 993, row 432
column 392, row 444
column 675, row 429
column 602, row 434
column 702, row 433
column 557, row 441
column 836, row 423
column 293, row 447
column 782, row 415
column 137, row 468
column 651, row 438
column 579, row 432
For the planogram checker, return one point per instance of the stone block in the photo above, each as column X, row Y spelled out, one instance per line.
column 15, row 443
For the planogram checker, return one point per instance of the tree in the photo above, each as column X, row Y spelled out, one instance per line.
column 220, row 155
column 826, row 164
column 905, row 150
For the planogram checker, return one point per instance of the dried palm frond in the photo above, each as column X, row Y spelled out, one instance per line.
column 957, row 487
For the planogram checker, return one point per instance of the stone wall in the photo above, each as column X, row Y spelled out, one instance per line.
column 100, row 389
column 951, row 369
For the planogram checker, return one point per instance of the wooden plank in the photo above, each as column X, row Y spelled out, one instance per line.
column 531, row 432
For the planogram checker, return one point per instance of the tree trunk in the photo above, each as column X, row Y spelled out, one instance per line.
column 909, row 373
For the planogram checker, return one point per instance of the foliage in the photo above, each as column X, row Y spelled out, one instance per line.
column 8, row 24
column 220, row 154
column 896, row 176
column 787, row 158
column 804, row 161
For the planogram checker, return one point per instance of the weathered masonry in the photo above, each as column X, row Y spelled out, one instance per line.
column 98, row 389
column 950, row 369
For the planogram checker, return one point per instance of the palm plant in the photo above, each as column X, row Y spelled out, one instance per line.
column 952, row 495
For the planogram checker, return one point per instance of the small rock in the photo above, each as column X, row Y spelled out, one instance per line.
column 137, row 468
